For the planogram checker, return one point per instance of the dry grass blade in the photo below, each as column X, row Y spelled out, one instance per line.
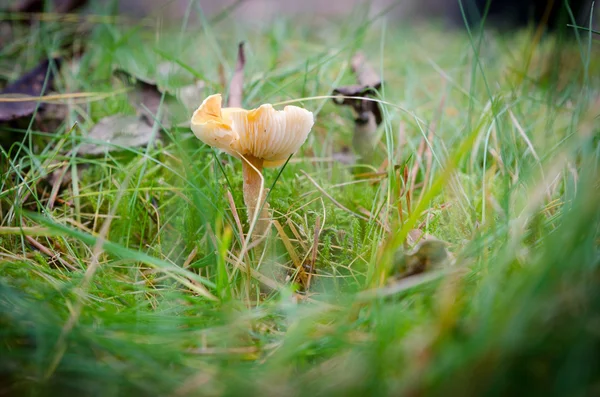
column 288, row 244
column 292, row 227
column 49, row 253
column 26, row 231
column 523, row 135
column 402, row 285
column 190, row 258
column 211, row 351
column 334, row 201
column 315, row 250
column 32, row 84
column 241, row 266
column 84, row 97
column 236, row 217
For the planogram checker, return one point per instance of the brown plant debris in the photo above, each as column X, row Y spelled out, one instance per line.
column 16, row 98
column 117, row 132
column 421, row 253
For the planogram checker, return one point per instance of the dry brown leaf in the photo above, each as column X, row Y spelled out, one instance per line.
column 117, row 132
column 145, row 95
column 191, row 95
column 422, row 252
column 344, row 156
column 31, row 84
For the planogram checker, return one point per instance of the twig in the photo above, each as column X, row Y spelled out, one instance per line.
column 43, row 249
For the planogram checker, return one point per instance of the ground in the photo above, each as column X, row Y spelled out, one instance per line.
column 133, row 278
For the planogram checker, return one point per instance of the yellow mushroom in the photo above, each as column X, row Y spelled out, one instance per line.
column 262, row 137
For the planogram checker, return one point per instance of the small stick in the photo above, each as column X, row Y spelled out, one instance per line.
column 43, row 249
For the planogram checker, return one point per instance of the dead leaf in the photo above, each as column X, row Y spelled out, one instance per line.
column 236, row 88
column 191, row 95
column 145, row 96
column 344, row 156
column 416, row 236
column 427, row 253
column 31, row 84
column 117, row 132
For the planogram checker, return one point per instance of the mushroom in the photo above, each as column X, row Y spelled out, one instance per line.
column 262, row 137
column 368, row 112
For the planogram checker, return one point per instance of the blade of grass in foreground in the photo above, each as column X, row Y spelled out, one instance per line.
column 169, row 269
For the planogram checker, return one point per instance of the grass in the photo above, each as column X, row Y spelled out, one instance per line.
column 135, row 283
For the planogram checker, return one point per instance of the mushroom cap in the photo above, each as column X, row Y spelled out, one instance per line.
column 265, row 133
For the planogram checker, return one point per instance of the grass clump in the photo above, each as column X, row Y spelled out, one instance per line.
column 135, row 283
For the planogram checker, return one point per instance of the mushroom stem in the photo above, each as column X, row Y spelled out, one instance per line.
column 252, row 170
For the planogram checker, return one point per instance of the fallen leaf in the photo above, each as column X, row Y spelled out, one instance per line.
column 416, row 236
column 191, row 95
column 31, row 84
column 427, row 253
column 236, row 88
column 344, row 156
column 117, row 132
column 145, row 96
